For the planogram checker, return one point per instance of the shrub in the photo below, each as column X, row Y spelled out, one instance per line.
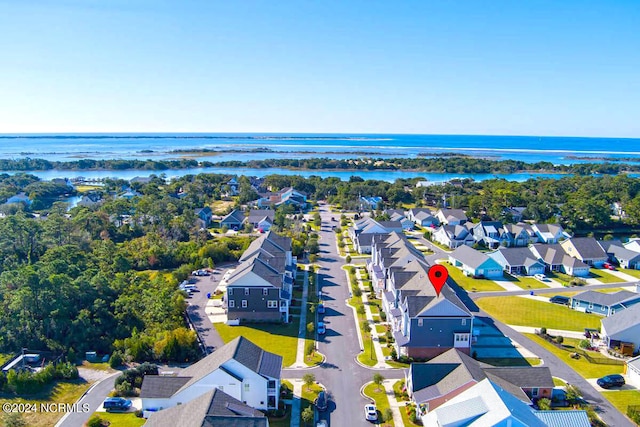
column 361, row 309
column 382, row 340
column 357, row 291
column 559, row 339
column 95, row 421
column 116, row 359
column 543, row 331
column 383, row 316
column 544, row 404
column 352, row 269
column 584, row 344
column 310, row 327
column 309, row 349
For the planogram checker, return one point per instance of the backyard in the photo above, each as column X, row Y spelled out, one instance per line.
column 276, row 338
column 470, row 284
column 529, row 312
column 621, row 399
column 121, row 420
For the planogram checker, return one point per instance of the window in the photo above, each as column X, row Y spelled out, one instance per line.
column 230, row 291
column 464, row 322
column 603, row 308
column 244, row 303
column 246, row 291
column 232, row 304
column 271, row 384
column 272, row 304
column 246, row 386
column 419, row 322
column 534, row 392
column 265, row 291
column 590, row 306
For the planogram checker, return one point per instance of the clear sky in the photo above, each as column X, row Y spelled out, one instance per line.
column 445, row 67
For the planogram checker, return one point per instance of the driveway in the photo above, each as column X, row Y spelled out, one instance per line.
column 94, row 397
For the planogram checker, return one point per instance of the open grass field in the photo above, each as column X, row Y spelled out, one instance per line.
column 378, row 394
column 604, row 276
column 470, row 284
column 582, row 365
column 278, row 339
column 121, row 420
column 525, row 282
column 621, row 399
column 220, row 207
column 83, row 188
column 530, row 312
column 61, row 392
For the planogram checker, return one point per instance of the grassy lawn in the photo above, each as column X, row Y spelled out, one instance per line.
column 529, row 312
column 604, row 276
column 560, row 277
column 441, row 246
column 558, row 382
column 622, row 398
column 378, row 394
column 525, row 282
column 83, row 188
column 630, row 272
column 368, row 356
column 308, row 397
column 61, row 392
column 470, row 284
column 381, row 329
column 278, row 339
column 97, row 366
column 121, row 420
column 219, row 207
column 582, row 365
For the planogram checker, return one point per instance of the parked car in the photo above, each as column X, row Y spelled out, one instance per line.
column 609, row 266
column 321, row 328
column 322, row 423
column 322, row 401
column 116, row 404
column 609, row 381
column 559, row 299
column 370, row 412
column 321, row 309
column 540, row 277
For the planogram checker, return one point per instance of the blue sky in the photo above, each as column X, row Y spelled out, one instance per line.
column 442, row 67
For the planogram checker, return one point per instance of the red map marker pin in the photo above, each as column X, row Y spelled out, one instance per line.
column 438, row 276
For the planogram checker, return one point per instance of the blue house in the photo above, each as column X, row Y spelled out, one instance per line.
column 474, row 263
column 604, row 304
column 519, row 261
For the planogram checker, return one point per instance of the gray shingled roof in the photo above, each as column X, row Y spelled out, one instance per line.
column 524, row 377
column 601, row 298
column 622, row 320
column 469, row 256
column 587, row 247
column 161, row 387
column 518, row 256
column 256, row 215
column 234, row 216
column 209, row 409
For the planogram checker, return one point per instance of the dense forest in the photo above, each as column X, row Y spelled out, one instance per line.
column 446, row 164
column 106, row 278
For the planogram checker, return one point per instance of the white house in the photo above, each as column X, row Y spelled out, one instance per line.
column 240, row 368
column 453, row 236
column 622, row 327
column 633, row 371
column 451, row 216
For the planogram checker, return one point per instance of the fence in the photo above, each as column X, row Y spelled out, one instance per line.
column 591, row 358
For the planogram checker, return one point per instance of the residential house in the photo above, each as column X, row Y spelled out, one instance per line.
column 453, row 236
column 425, row 324
column 90, row 200
column 586, row 249
column 475, row 263
column 264, row 224
column 437, row 381
column 621, row 255
column 362, row 232
column 490, row 234
column 19, row 198
column 129, row 194
column 488, row 404
column 451, row 216
column 286, row 196
column 632, row 370
column 514, row 213
column 623, row 326
column 240, row 369
column 633, row 245
column 549, row 233
column 260, row 288
column 213, row 408
column 140, row 180
column 518, row 261
column 233, row 186
column 370, row 203
column 519, row 235
column 389, row 252
column 398, row 216
column 422, row 217
column 204, row 216
column 234, row 220
column 556, row 259
column 258, row 215
column 602, row 303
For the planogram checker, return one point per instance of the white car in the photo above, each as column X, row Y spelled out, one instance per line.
column 322, row 423
column 540, row 277
column 370, row 412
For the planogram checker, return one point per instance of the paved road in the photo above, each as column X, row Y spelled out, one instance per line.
column 476, row 295
column 196, row 310
column 340, row 373
column 94, row 397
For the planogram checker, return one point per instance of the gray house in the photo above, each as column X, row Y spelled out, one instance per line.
column 604, row 304
column 520, row 261
column 490, row 234
column 422, row 217
column 618, row 254
column 258, row 215
column 233, row 220
column 586, row 249
column 204, row 216
column 260, row 288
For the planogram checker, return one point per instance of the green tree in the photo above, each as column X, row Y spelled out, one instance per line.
column 307, row 415
column 377, row 380
column 308, row 380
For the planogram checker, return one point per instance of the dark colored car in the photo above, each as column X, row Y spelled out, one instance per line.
column 559, row 299
column 609, row 381
column 321, row 309
column 116, row 404
column 322, row 401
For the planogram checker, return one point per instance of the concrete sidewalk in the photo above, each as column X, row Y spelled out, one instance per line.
column 302, row 331
column 555, row 332
column 376, row 342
